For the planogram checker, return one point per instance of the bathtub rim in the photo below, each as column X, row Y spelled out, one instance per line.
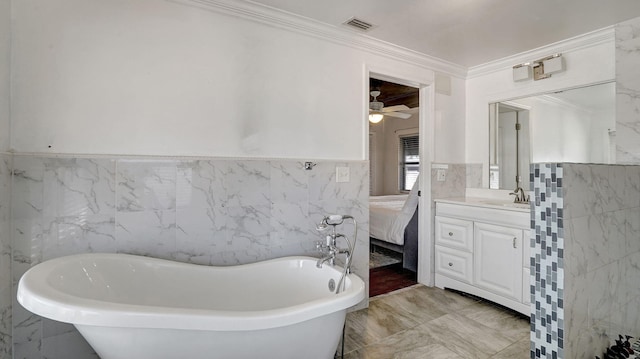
column 37, row 296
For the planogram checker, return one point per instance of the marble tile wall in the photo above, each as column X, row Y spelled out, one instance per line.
column 204, row 211
column 5, row 257
column 455, row 181
column 474, row 175
column 454, row 185
column 602, row 255
column 627, row 91
column 597, row 256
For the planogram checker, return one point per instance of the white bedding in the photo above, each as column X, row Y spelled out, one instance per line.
column 389, row 215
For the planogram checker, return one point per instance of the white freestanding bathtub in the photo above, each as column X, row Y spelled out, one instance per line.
column 138, row 307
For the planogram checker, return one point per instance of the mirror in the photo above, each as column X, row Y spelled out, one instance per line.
column 576, row 125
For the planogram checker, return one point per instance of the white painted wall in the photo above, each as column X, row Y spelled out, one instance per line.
column 392, row 131
column 585, row 65
column 5, row 72
column 449, row 146
column 157, row 77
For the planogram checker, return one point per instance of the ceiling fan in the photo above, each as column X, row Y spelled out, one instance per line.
column 377, row 109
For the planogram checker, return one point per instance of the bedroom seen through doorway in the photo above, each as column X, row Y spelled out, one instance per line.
column 394, row 162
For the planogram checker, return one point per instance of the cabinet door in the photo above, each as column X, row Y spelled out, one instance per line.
column 498, row 260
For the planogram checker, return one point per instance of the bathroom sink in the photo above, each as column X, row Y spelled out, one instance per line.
column 517, row 205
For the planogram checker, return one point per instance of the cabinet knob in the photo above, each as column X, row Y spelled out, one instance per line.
column 450, row 234
column 450, row 264
column 514, row 242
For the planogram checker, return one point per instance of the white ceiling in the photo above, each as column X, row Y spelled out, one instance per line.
column 468, row 32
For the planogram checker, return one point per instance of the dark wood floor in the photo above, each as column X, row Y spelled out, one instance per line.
column 389, row 278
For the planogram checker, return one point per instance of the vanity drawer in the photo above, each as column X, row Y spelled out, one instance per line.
column 454, row 263
column 454, row 233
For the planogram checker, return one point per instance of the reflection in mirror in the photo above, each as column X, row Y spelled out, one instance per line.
column 576, row 125
column 510, row 150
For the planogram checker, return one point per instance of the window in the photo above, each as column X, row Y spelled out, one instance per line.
column 409, row 161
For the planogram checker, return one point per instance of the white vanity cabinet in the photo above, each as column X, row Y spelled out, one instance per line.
column 483, row 250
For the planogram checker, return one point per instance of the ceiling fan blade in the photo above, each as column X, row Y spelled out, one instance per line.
column 401, row 115
column 395, row 108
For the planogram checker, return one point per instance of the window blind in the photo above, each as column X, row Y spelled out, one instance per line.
column 409, row 161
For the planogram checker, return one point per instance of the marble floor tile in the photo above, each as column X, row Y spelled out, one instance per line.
column 459, row 328
column 432, row 351
column 424, row 303
column 411, row 343
column 517, row 350
column 369, row 325
column 508, row 323
column 424, row 322
column 462, row 345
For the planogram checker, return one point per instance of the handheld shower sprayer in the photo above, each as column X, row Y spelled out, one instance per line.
column 332, row 220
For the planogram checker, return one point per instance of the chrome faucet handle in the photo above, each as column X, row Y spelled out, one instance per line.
column 320, row 246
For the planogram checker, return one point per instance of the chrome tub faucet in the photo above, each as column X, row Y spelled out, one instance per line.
column 330, row 245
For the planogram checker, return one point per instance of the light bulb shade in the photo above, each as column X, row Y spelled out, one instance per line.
column 375, row 117
column 553, row 65
column 521, row 72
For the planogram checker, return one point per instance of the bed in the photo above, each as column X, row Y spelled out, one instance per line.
column 393, row 224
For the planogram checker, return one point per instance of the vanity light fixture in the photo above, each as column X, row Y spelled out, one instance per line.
column 375, row 117
column 542, row 68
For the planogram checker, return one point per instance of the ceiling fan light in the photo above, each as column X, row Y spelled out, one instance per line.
column 375, row 117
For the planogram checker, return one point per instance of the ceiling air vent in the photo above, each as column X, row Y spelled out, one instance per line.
column 358, row 24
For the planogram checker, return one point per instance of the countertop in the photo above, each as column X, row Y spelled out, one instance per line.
column 487, row 203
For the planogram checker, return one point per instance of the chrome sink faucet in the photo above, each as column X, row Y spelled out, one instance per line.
column 521, row 197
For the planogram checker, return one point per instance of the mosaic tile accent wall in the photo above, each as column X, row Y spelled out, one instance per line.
column 547, row 262
column 5, row 257
column 204, row 211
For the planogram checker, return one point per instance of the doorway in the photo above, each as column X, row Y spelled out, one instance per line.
column 395, row 163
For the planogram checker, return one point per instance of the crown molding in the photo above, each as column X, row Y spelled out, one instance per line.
column 277, row 18
column 590, row 39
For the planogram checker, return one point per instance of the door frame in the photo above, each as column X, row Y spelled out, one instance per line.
column 425, row 82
